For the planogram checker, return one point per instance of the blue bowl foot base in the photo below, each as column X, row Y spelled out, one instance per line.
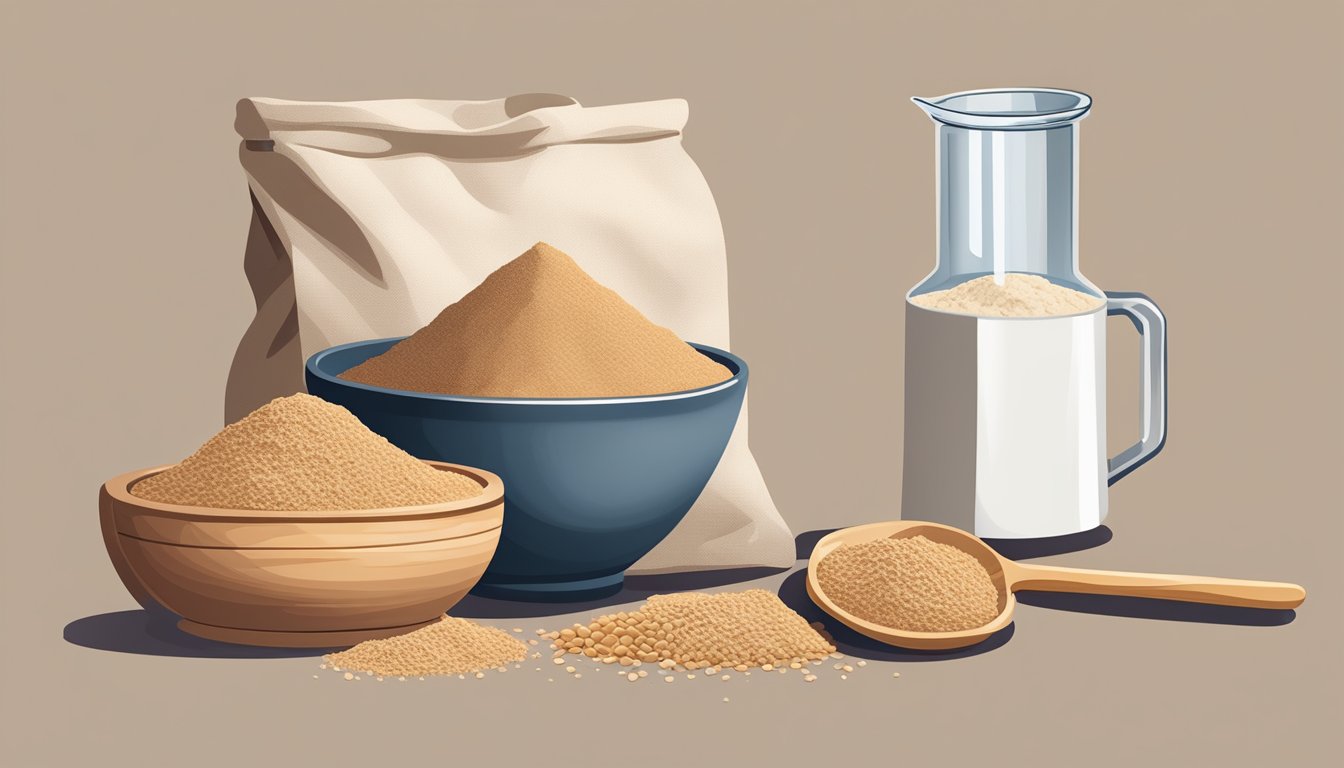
column 551, row 591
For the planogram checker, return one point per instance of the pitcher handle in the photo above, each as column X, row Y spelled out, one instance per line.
column 1152, row 327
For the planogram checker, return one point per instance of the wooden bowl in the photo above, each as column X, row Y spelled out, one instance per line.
column 301, row 579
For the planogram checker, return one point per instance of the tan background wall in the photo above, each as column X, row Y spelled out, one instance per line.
column 1211, row 179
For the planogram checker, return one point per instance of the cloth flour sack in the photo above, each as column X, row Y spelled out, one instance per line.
column 370, row 217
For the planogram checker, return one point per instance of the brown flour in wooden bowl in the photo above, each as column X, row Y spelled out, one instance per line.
column 302, row 453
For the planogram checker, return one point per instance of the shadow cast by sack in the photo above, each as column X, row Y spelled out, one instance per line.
column 636, row 589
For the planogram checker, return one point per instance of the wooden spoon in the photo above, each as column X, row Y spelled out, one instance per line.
column 1010, row 576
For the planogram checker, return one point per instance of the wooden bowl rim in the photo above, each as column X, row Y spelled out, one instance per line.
column 492, row 494
column 891, row 635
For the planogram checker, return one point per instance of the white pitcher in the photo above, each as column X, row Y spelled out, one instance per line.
column 1005, row 417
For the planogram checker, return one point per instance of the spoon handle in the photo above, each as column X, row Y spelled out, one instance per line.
column 1190, row 589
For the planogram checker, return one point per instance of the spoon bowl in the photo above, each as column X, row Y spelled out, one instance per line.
column 904, row 529
column 1009, row 576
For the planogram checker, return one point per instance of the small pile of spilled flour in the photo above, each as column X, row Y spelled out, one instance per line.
column 450, row 646
column 753, row 628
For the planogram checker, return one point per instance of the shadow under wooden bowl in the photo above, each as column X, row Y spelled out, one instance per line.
column 301, row 579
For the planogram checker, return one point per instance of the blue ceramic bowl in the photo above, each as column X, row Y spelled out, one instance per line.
column 590, row 485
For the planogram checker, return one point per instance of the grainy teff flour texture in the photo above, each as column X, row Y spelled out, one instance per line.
column 692, row 629
column 450, row 646
column 539, row 326
column 1019, row 296
column 912, row 584
column 302, row 453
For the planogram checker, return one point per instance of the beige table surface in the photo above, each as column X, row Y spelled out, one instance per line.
column 1211, row 179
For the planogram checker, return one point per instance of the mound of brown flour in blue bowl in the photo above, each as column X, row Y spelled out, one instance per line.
column 541, row 327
